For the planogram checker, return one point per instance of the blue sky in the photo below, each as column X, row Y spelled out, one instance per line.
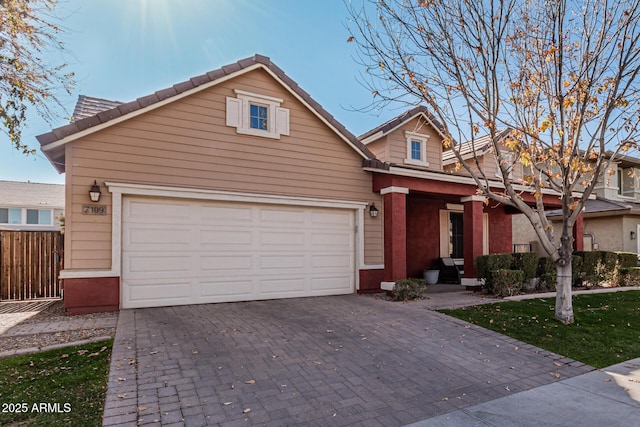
column 124, row 49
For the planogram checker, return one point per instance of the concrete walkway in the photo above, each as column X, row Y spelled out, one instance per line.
column 346, row 360
column 607, row 397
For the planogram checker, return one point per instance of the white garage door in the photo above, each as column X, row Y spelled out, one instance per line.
column 185, row 252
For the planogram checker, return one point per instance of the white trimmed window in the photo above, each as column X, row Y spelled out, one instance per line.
column 19, row 216
column 508, row 158
column 258, row 115
column 416, row 149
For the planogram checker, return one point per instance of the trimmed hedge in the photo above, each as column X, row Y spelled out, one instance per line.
column 547, row 273
column 527, row 262
column 507, row 282
column 487, row 264
column 630, row 276
column 592, row 268
column 627, row 260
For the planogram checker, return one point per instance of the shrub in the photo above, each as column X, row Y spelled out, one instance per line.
column 487, row 264
column 547, row 274
column 590, row 262
column 408, row 289
column 507, row 282
column 576, row 269
column 482, row 263
column 527, row 262
column 630, row 276
column 627, row 259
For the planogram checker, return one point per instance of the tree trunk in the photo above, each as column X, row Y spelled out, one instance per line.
column 564, row 304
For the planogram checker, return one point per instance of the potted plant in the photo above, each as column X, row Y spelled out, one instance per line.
column 432, row 273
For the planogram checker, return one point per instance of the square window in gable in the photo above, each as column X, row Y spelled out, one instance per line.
column 258, row 115
column 416, row 149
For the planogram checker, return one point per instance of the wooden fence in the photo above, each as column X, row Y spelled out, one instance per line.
column 30, row 263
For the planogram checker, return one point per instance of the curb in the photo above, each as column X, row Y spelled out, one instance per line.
column 31, row 350
column 580, row 292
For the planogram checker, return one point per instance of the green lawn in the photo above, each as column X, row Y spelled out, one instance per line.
column 606, row 330
column 55, row 388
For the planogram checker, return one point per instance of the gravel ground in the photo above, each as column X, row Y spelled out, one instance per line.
column 55, row 313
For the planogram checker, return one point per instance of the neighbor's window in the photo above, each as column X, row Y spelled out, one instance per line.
column 38, row 216
column 25, row 216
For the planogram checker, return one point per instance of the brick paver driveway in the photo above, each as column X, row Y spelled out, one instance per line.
column 344, row 360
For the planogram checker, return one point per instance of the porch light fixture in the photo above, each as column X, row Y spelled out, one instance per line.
column 632, row 235
column 94, row 192
column 373, row 211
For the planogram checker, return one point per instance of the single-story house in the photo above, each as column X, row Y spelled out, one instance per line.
column 31, row 206
column 236, row 185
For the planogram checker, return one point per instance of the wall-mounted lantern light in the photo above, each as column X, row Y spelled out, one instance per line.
column 373, row 211
column 94, row 192
column 632, row 235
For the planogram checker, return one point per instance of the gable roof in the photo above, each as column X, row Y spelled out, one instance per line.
column 480, row 146
column 396, row 122
column 52, row 143
column 31, row 195
column 88, row 106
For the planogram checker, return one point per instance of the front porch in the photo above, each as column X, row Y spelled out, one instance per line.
column 426, row 220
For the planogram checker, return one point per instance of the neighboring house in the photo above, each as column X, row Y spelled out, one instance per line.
column 30, row 206
column 236, row 185
column 611, row 217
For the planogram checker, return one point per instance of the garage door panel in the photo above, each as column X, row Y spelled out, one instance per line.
column 331, row 261
column 282, row 287
column 227, row 237
column 232, row 251
column 159, row 291
column 332, row 219
column 330, row 285
column 333, row 241
column 237, row 290
column 270, row 216
column 239, row 263
column 225, row 215
column 149, row 210
column 282, row 262
column 285, row 239
column 153, row 235
column 157, row 264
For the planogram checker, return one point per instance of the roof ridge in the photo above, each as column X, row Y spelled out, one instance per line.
column 123, row 109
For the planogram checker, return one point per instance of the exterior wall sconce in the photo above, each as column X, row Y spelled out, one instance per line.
column 632, row 235
column 373, row 211
column 94, row 192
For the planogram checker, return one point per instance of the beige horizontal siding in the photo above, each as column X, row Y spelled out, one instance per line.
column 187, row 144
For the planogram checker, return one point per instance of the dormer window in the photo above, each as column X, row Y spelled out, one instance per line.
column 416, row 149
column 258, row 115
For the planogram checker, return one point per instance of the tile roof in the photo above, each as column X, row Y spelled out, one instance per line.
column 88, row 106
column 31, row 194
column 479, row 145
column 55, row 152
column 399, row 120
column 600, row 205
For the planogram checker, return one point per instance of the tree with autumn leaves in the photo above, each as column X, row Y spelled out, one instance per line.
column 28, row 33
column 553, row 83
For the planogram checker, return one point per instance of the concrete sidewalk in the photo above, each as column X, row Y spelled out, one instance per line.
column 606, row 397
